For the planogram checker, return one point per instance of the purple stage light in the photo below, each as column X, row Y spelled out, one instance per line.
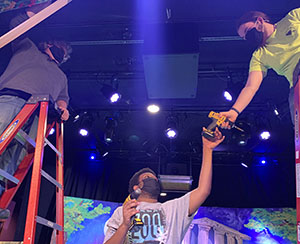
column 92, row 157
column 265, row 135
column 171, row 133
column 83, row 132
column 227, row 96
column 115, row 97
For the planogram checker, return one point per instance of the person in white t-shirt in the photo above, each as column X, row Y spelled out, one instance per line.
column 164, row 223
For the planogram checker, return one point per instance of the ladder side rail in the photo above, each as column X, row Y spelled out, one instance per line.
column 30, row 226
column 60, row 179
column 17, row 123
column 20, row 174
column 31, row 22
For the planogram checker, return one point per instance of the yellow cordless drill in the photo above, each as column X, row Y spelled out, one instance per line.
column 217, row 121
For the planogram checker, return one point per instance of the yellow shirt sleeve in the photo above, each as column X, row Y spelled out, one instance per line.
column 257, row 65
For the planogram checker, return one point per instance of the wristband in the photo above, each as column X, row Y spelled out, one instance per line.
column 234, row 109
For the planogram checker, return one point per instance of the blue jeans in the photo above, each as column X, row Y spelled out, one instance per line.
column 10, row 106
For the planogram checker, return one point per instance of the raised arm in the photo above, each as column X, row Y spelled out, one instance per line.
column 199, row 195
column 253, row 83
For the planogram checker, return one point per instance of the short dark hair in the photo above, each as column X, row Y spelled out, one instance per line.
column 58, row 43
column 251, row 16
column 134, row 180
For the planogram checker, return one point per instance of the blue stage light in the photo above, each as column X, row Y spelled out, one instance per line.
column 52, row 131
column 92, row 156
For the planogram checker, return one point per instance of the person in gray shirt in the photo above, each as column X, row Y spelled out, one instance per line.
column 163, row 223
column 31, row 70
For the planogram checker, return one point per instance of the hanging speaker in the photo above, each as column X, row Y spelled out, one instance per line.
column 170, row 58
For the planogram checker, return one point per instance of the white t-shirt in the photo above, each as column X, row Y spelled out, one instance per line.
column 164, row 223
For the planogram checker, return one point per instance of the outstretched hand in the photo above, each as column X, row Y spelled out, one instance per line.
column 212, row 143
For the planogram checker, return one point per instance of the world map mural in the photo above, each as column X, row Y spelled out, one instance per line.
column 85, row 221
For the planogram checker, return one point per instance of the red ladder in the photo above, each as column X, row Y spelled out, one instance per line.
column 37, row 158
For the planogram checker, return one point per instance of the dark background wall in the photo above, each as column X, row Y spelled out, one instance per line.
column 107, row 39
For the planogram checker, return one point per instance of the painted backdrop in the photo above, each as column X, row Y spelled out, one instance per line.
column 6, row 5
column 85, row 220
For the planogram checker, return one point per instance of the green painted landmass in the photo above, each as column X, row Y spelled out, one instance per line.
column 280, row 223
column 77, row 210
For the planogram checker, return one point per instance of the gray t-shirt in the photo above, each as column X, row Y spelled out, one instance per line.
column 32, row 71
column 164, row 223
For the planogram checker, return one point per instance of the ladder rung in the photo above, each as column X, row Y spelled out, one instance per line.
column 51, row 179
column 26, row 137
column 53, row 147
column 9, row 177
column 11, row 242
column 48, row 223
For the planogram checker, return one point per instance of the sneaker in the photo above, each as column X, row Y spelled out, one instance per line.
column 4, row 214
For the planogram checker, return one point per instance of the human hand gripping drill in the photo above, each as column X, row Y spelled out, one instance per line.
column 217, row 121
column 136, row 223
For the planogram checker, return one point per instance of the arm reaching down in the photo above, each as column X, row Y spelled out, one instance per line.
column 253, row 83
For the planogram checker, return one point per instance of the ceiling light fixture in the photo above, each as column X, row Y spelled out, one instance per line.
column 153, row 108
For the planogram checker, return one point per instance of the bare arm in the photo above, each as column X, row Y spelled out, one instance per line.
column 119, row 236
column 253, row 83
column 199, row 195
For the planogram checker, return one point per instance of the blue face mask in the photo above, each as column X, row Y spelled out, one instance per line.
column 255, row 37
column 58, row 53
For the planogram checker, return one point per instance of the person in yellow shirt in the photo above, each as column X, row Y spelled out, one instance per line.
column 277, row 48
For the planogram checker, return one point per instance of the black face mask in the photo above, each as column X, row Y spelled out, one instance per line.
column 255, row 37
column 152, row 187
column 58, row 53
